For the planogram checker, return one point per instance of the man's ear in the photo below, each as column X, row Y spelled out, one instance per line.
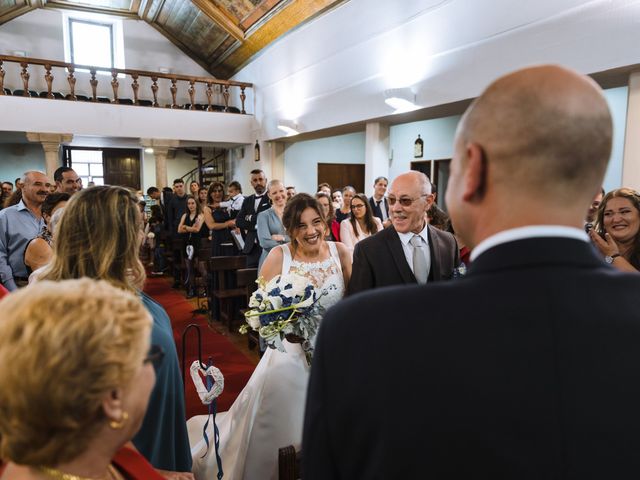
column 475, row 177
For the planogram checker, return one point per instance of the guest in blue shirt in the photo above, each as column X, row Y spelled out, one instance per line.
column 19, row 224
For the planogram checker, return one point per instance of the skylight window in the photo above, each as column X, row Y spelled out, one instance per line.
column 94, row 40
column 91, row 43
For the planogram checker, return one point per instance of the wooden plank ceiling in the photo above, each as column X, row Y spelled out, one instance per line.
column 221, row 35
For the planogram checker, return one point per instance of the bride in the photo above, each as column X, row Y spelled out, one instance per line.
column 269, row 412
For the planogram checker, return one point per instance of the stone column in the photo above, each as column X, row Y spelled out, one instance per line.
column 160, row 151
column 630, row 163
column 51, row 145
column 160, row 154
column 376, row 154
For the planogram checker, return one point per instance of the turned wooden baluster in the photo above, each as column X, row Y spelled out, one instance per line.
column 1, row 79
column 209, row 95
column 72, row 83
column 94, row 85
column 25, row 78
column 154, row 89
column 174, row 90
column 225, row 94
column 192, row 91
column 115, row 84
column 135, row 87
column 243, row 97
column 49, row 79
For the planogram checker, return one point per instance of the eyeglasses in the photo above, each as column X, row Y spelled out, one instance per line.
column 356, row 207
column 155, row 356
column 405, row 201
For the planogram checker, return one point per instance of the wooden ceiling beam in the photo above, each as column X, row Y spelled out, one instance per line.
column 220, row 17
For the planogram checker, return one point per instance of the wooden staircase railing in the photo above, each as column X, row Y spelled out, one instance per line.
column 194, row 85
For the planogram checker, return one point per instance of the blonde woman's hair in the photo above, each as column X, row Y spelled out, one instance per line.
column 63, row 347
column 99, row 237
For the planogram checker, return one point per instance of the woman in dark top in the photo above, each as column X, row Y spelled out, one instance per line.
column 191, row 224
column 220, row 222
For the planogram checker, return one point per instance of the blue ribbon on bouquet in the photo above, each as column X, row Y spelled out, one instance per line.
column 213, row 408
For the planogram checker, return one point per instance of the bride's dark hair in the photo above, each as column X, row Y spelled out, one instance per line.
column 293, row 211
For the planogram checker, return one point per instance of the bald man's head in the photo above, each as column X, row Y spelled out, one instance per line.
column 544, row 129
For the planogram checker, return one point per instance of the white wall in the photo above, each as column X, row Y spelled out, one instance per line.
column 617, row 99
column 301, row 159
column 15, row 159
column 437, row 135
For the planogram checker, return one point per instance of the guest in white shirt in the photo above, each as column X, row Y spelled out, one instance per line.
column 361, row 224
column 235, row 199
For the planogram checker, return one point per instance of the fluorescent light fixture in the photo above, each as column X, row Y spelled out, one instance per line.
column 288, row 127
column 148, row 150
column 401, row 99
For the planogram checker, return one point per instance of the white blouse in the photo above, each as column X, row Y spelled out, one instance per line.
column 349, row 237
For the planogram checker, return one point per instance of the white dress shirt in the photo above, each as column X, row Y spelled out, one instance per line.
column 235, row 203
column 405, row 238
column 532, row 231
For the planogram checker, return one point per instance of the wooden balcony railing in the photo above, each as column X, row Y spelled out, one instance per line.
column 198, row 93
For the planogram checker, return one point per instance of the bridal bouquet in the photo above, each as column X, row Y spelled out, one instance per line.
column 285, row 307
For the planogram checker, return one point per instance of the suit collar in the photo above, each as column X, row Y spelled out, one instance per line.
column 405, row 238
column 529, row 231
column 536, row 252
column 397, row 253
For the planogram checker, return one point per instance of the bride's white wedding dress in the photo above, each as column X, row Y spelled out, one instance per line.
column 269, row 412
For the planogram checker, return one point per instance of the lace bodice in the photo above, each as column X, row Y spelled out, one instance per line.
column 324, row 275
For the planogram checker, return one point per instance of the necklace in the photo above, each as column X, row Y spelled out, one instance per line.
column 58, row 475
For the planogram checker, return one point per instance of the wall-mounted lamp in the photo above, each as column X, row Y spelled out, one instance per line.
column 289, row 127
column 148, row 150
column 401, row 99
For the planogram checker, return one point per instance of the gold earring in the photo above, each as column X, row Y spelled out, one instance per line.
column 118, row 425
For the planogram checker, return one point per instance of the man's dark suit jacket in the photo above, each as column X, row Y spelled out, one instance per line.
column 377, row 209
column 379, row 260
column 247, row 218
column 175, row 208
column 527, row 368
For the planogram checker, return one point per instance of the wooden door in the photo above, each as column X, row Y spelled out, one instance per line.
column 340, row 175
column 122, row 167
